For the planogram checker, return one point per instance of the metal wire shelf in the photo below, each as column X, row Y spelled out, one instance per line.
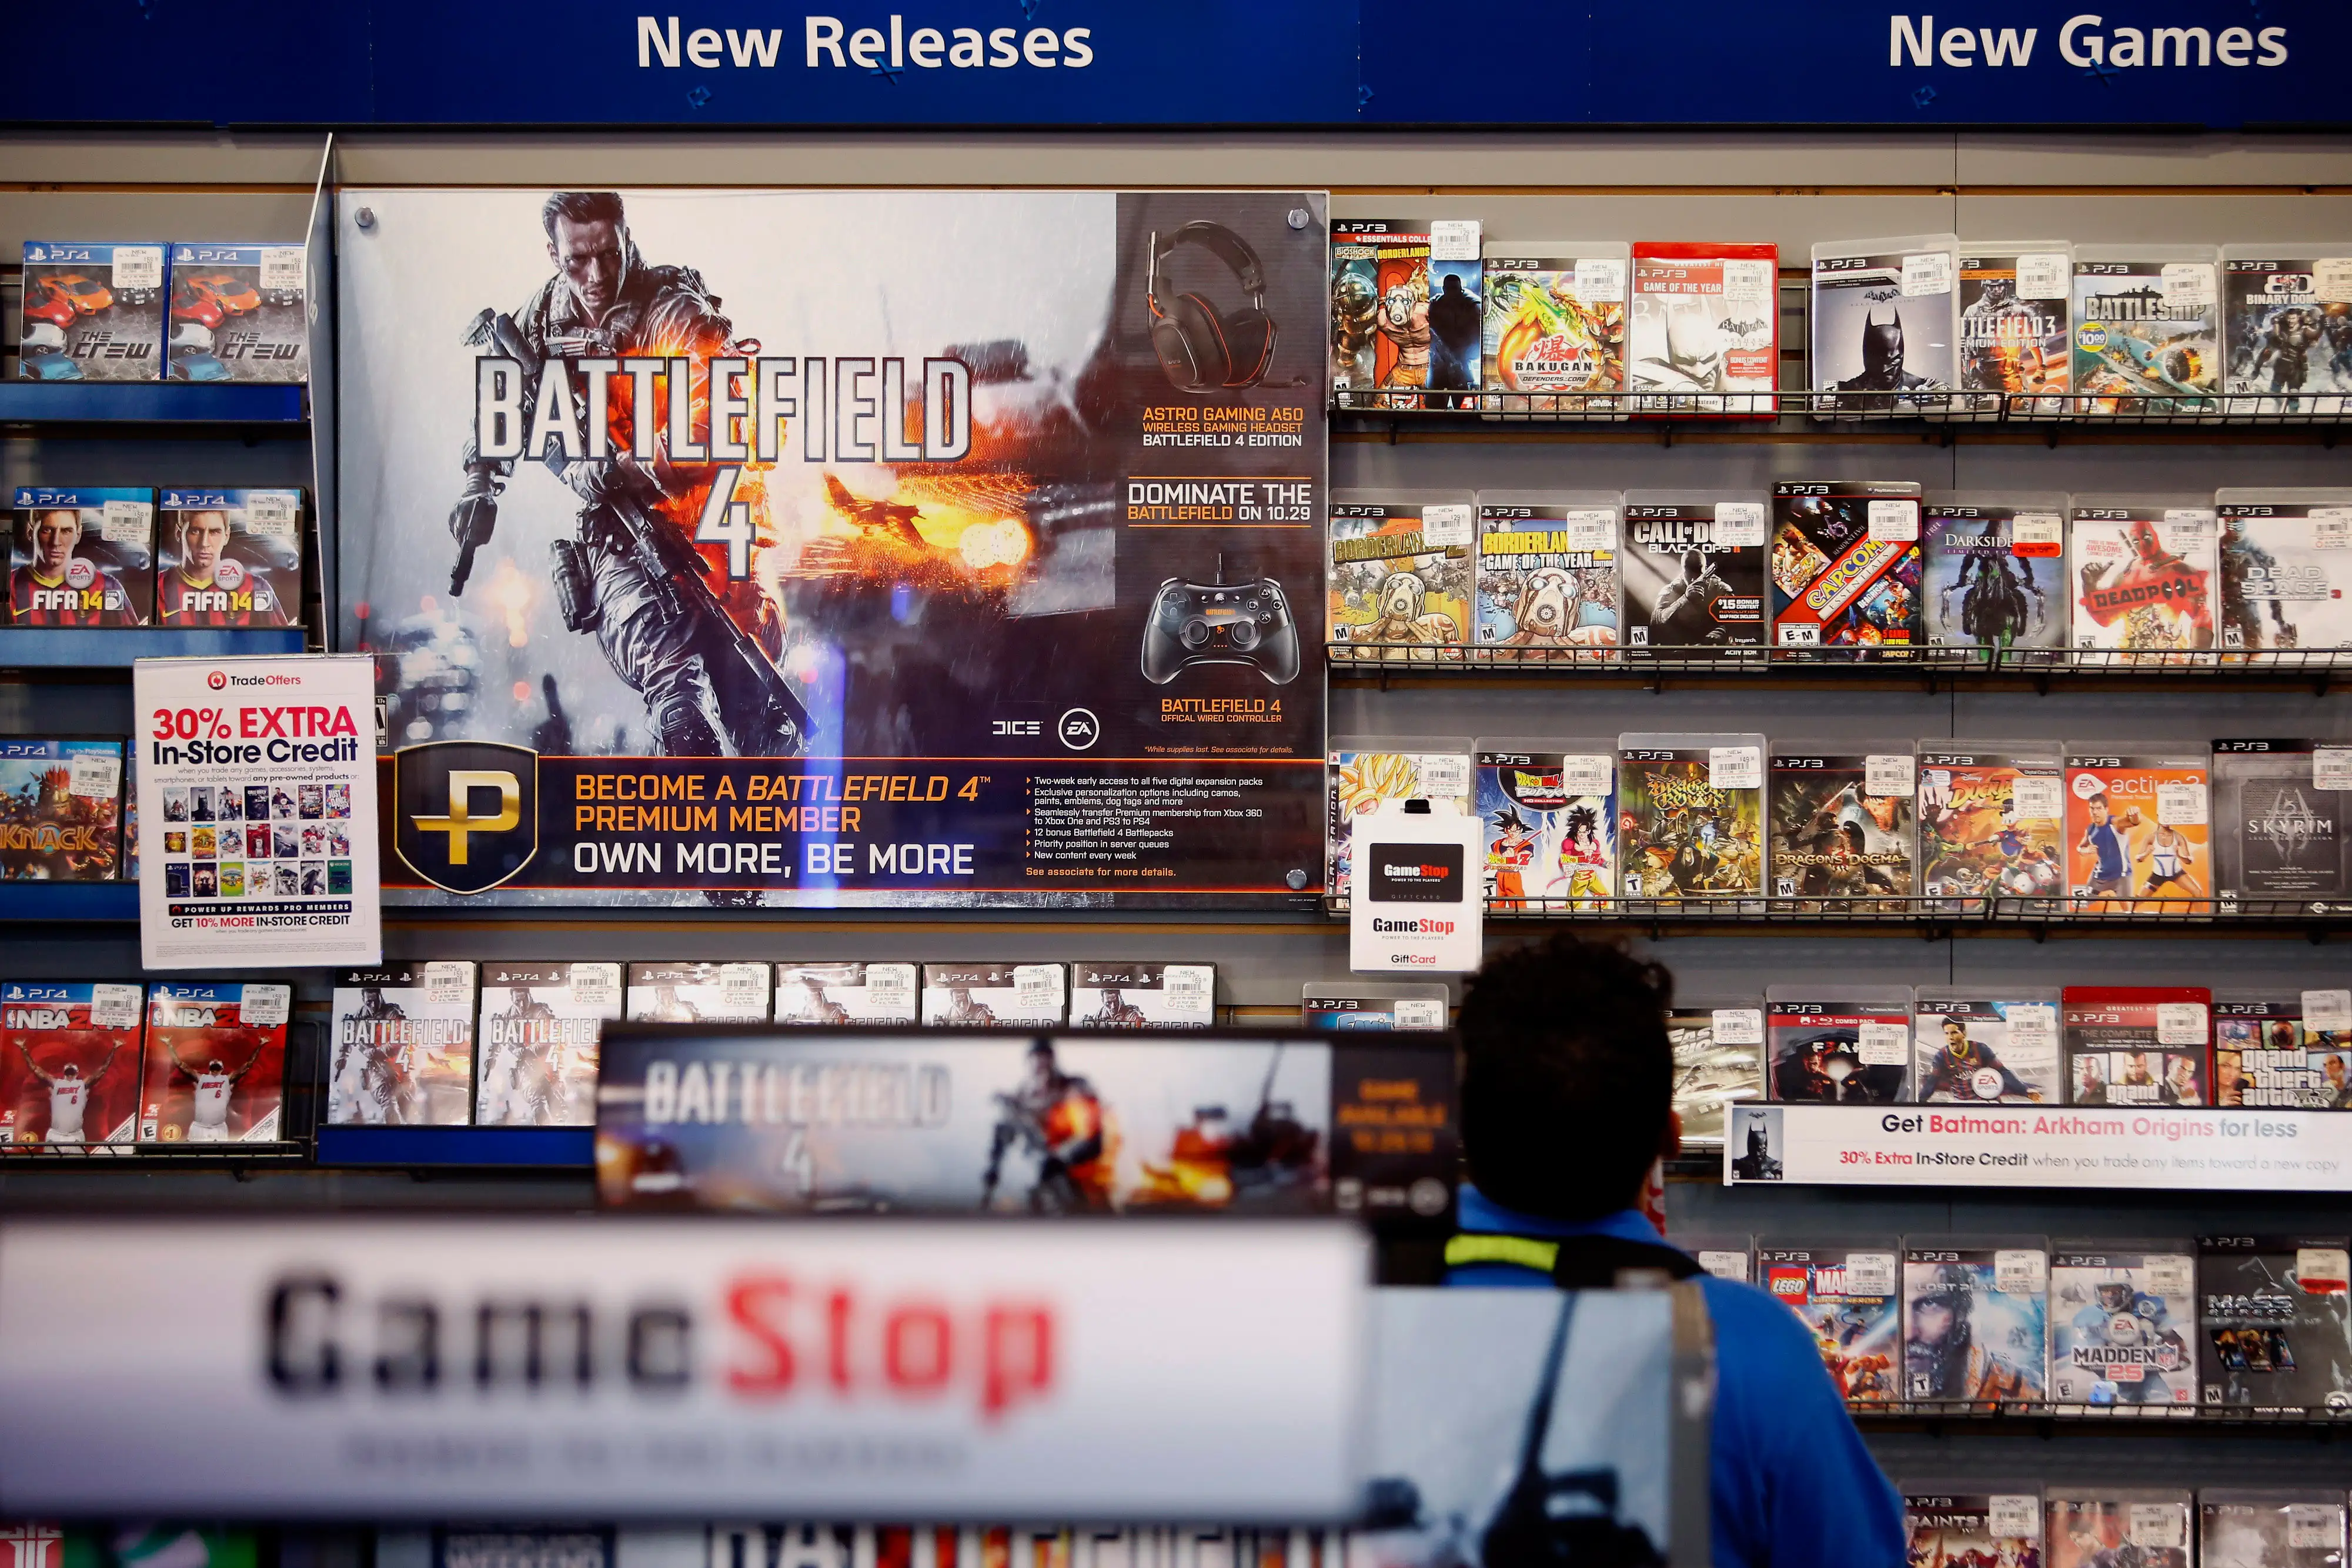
column 2317, row 667
column 2010, row 1414
column 1933, row 915
column 1937, row 407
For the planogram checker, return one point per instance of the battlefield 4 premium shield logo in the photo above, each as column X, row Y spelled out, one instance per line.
column 466, row 812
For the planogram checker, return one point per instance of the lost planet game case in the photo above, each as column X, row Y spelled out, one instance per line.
column 1692, row 566
column 402, row 1051
column 834, row 994
column 1353, row 1004
column 537, row 1044
column 1831, row 1046
column 1001, row 995
column 1845, row 570
column 698, row 993
column 69, row 1062
column 82, row 557
column 1548, row 811
column 2278, row 838
column 2137, row 1045
column 2274, row 1322
column 1884, row 318
column 1993, row 574
column 1976, row 1321
column 1135, row 994
column 2270, row 1529
column 216, row 1070
column 1986, row 1045
column 2285, row 565
column 2123, row 1323
column 1547, row 580
column 1691, row 815
column 1848, row 1296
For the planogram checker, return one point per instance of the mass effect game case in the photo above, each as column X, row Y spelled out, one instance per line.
column 1975, row 1320
column 1704, row 329
column 60, row 808
column 215, row 1068
column 229, row 558
column 2140, row 1046
column 2016, row 326
column 1364, row 771
column 698, row 993
column 1962, row 1526
column 1547, row 575
column 1843, row 828
column 538, row 1043
column 2286, row 331
column 1986, row 1044
column 2138, row 831
column 1132, row 994
column 834, row 994
column 2275, row 1321
column 1718, row 1050
column 2148, row 331
column 402, row 1049
column 1994, row 575
column 2267, row 1054
column 1884, row 317
column 1401, row 574
column 2107, row 1527
column 82, row 557
column 237, row 314
column 1555, row 325
column 1991, row 817
column 2278, row 838
column 1845, row 570
column 1352, row 1004
column 1848, row 1296
column 91, row 312
column 1406, row 313
column 1833, row 1046
column 1549, row 807
column 995, row 995
column 2270, row 1529
column 2143, row 569
column 1691, row 816
column 2123, row 1323
column 69, row 1062
column 2285, row 566
column 1693, row 567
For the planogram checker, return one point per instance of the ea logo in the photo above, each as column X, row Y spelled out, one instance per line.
column 217, row 679
column 79, row 573
column 1078, row 728
column 2089, row 784
column 229, row 574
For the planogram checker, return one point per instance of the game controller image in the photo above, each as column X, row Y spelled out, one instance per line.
column 1219, row 622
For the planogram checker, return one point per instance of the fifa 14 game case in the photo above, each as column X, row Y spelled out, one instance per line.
column 2275, row 1319
column 1549, row 808
column 60, row 808
column 1406, row 316
column 216, row 1070
column 91, row 312
column 69, row 1063
column 2017, row 325
column 1975, row 1320
column 1992, row 568
column 1691, row 815
column 1843, row 828
column 1352, row 1004
column 1984, row 1045
column 1703, row 327
column 1718, row 1050
column 985, row 995
column 1547, row 575
column 541, row 1025
column 82, row 557
column 1848, row 1048
column 229, row 558
column 1848, row 1296
column 1692, row 572
column 698, row 993
column 2286, row 330
column 237, row 314
column 1363, row 774
column 2278, row 838
column 1400, row 572
column 1555, row 324
column 1952, row 1526
column 401, row 1054
column 2137, row 1045
column 2286, row 563
column 2123, row 1323
column 847, row 993
column 1884, row 320
column 2270, row 1529
column 2106, row 1528
column 1138, row 995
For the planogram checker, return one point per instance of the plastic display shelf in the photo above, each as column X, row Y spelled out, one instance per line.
column 2208, row 412
column 2041, row 669
column 114, row 648
column 458, row 1148
column 1938, row 916
column 2022, row 1418
column 69, row 901
column 151, row 403
column 144, row 1156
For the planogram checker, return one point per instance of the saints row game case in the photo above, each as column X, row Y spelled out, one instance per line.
column 1704, row 329
column 91, row 312
column 2016, row 325
column 216, row 1070
column 2287, row 563
column 1991, row 814
column 1993, row 573
column 2109, row 1527
column 1549, row 811
column 1832, row 1047
column 1405, row 308
column 2143, row 569
column 2147, row 329
column 2267, row 1054
column 2270, row 1529
column 229, row 558
column 1884, row 320
column 1972, row 1527
column 1364, row 772
column 82, row 557
column 847, row 993
column 542, row 1025
column 1718, row 1050
column 61, row 809
column 2278, row 838
column 1986, row 1044
column 69, row 1062
column 1845, row 570
column 698, row 993
column 2123, row 1323
column 1131, row 994
column 2138, row 832
column 1693, row 569
column 1555, row 324
column 1352, row 1004
column 237, row 314
column 1976, row 1321
column 1401, row 576
column 402, row 1047
column 2137, row 1045
column 2286, row 330
column 1842, row 827
column 1546, row 573
column 1690, row 815
column 1847, row 1296
column 986, row 994
column 2275, row 1321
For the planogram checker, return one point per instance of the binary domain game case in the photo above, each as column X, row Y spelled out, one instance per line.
column 1362, row 773
column 995, row 995
column 1704, row 328
column 1991, row 814
column 1718, row 1050
column 2143, row 569
column 1352, row 1004
column 1401, row 572
column 1849, row 1298
column 2016, row 324
column 229, row 558
column 1884, row 318
column 69, row 1062
column 237, row 314
column 91, row 312
column 1693, row 570
column 1845, row 570
column 2275, row 1321
column 1555, row 324
column 538, row 1043
column 2147, row 329
column 216, row 1070
column 2266, row 1054
column 402, row 1051
column 2270, row 1528
column 2278, row 839
column 82, row 557
column 2138, row 832
column 2107, row 1527
column 1405, row 311
column 698, row 993
column 1993, row 574
column 1964, row 1527
column 2123, row 1324
column 1547, row 575
column 833, row 994
column 61, row 809
column 1842, row 1048
column 1132, row 994
column 2286, row 331
column 1549, row 808
column 1842, row 827
column 1985, row 1045
column 2137, row 1045
column 2286, row 563
column 1975, row 1322
column 1691, row 815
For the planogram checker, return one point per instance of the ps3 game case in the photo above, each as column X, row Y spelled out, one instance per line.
column 2285, row 564
column 1718, row 1050
column 1843, row 828
column 229, row 558
column 2148, row 331
column 215, row 1069
column 1992, row 820
column 982, row 995
column 1352, row 1004
column 698, row 993
column 1401, row 578
column 1993, row 574
column 1986, row 1044
column 1848, row 1296
column 2144, row 569
column 82, row 557
column 1550, row 810
column 2286, row 331
column 1831, row 1047
column 2017, row 326
column 2266, row 1055
column 2278, row 838
column 2268, row 1527
column 1976, row 1321
column 834, row 994
column 2138, row 831
column 2137, row 1045
column 1555, row 325
column 1691, row 820
column 1547, row 575
column 2107, row 1527
column 537, row 1046
column 2123, row 1323
column 69, row 1062
column 1692, row 573
column 1137, row 994
column 402, row 1053
column 2275, row 1321
column 1406, row 317
column 1363, row 772
column 1957, row 1526
column 1884, row 318
column 1845, row 570
column 1704, row 329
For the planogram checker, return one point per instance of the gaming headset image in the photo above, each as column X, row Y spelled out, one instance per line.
column 1203, row 348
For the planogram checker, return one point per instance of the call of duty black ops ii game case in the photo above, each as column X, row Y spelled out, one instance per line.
column 2275, row 1319
column 698, row 993
column 1849, row 1048
column 401, row 1054
column 847, row 993
column 2123, row 1323
column 1884, row 318
column 1848, row 1297
column 2278, row 836
column 1692, row 566
column 2270, row 1528
column 538, row 1043
column 1133, row 994
column 981, row 995
column 1993, row 573
column 82, row 557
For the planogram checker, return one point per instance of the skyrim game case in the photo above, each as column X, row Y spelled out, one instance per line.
column 1848, row 1297
column 1405, row 308
column 1363, row 773
column 2137, row 1045
column 82, row 557
column 1842, row 827
column 1993, row 574
column 1704, row 333
column 1884, row 318
column 1352, row 1004
column 2147, row 329
column 91, row 312
column 986, row 994
column 1976, row 1321
column 1547, row 574
column 1991, row 814
column 2266, row 1055
column 1401, row 572
column 833, row 994
column 229, row 558
column 1850, row 1048
column 1718, row 1050
column 1972, row 1527
column 1845, row 570
column 402, row 1047
column 1690, row 815
column 2286, row 561
column 1692, row 570
column 215, row 1069
column 2278, row 839
column 1131, row 994
column 1987, row 1045
column 2138, row 832
column 2016, row 325
column 2286, row 330
column 2275, row 1321
column 1549, row 811
column 698, row 993
column 2123, row 1323
column 237, row 314
column 1555, row 324
column 69, row 1062
column 2270, row 1529
column 537, row 1046
column 61, row 809
column 2108, row 1527
column 2143, row 569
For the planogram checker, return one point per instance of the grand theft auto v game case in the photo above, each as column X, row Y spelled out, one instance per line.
column 82, row 557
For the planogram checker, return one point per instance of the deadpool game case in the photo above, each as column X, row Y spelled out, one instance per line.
column 1718, row 1050
column 1704, row 329
column 2265, row 1529
column 69, row 1062
column 1842, row 827
column 1975, row 1320
column 846, row 993
column 1884, row 318
column 2138, row 832
column 1994, row 575
column 1973, row 1527
column 2143, row 569
column 2278, row 838
column 1352, row 1004
column 1693, row 570
column 2109, row 1527
column 1847, row 1296
column 61, row 809
column 2287, row 563
column 1987, row 1045
column 82, row 557
column 985, row 995
column 2016, row 325
column 1555, row 324
column 229, row 558
column 2148, row 331
column 1548, row 587
column 2123, row 1323
column 2267, row 1054
column 1405, row 316
column 2137, row 1045
column 2286, row 331
column 215, row 1069
column 539, row 1040
column 1549, row 808
column 1990, row 821
column 1690, row 815
column 1845, row 570
column 237, row 314
column 1851, row 1048
column 2275, row 1321
column 402, row 1047
column 698, row 993
column 91, row 312
column 1400, row 573
column 1361, row 774
column 1131, row 994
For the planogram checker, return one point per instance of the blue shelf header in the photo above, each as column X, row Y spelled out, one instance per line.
column 149, row 402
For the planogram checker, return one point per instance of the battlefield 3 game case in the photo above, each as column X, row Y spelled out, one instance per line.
column 2016, row 325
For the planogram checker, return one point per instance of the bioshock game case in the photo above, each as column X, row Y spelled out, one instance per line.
column 1362, row 772
column 537, row 1047
column 995, row 995
column 1993, row 573
column 1555, row 324
column 2143, row 569
column 1975, row 1320
column 2286, row 345
column 698, row 993
column 2123, row 1323
column 2138, row 832
column 1845, row 570
column 402, row 1053
column 2267, row 1054
column 2286, row 564
column 2137, row 1045
column 1884, row 318
column 91, row 312
column 69, row 1062
column 1133, row 994
column 1547, row 574
column 61, row 809
column 1829, row 1047
column 2016, row 325
column 1848, row 1297
column 1704, row 328
column 1401, row 575
column 1352, row 1004
column 1405, row 314
column 1955, row 1526
column 237, row 314
column 215, row 1069
column 82, row 557
column 1549, row 811
column 229, row 558
column 2147, row 329
column 1718, row 1050
column 1691, row 815
column 2278, row 838
column 1693, row 571
column 2107, row 1527
column 2270, row 1529
column 2275, row 1321
column 1986, row 1044
column 833, row 994
column 1842, row 826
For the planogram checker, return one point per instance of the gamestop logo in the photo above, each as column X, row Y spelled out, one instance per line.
column 1416, row 874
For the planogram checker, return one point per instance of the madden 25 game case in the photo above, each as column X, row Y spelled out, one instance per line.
column 1693, row 571
column 216, row 1070
column 1549, row 810
column 1847, row 1296
column 61, row 809
column 1138, row 995
column 2137, row 1045
column 2106, row 1528
column 2138, row 832
column 1845, row 570
column 698, row 993
column 1991, row 814
column 82, row 557
column 237, row 314
column 2286, row 563
column 1405, row 314
column 1718, row 1050
column 2268, row 1054
column 2143, row 567
column 1972, row 1527
column 1401, row 574
column 2123, row 1323
column 1547, row 574
column 1884, row 318
column 1555, row 324
column 2278, row 836
column 1704, row 328
column 401, row 1054
column 847, row 993
column 91, row 312
column 1353, row 1004
column 2016, row 325
column 2286, row 330
column 69, row 1062
column 539, row 1041
column 2275, row 1321
column 1361, row 773
column 1985, row 1045
column 2147, row 329
column 1975, row 1322
column 229, row 558
column 1993, row 573
column 985, row 995
column 1842, row 826
column 1839, row 1048
column 2270, row 1529
column 1691, row 815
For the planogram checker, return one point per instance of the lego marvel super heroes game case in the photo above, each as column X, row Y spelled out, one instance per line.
column 69, row 1062
column 542, row 1026
column 402, row 1051
column 1848, row 1296
column 215, row 1063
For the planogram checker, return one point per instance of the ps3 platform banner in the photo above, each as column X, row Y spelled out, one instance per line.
column 839, row 549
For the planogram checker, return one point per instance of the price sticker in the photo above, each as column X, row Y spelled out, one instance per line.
column 1735, row 767
column 1748, row 286
column 2331, row 527
column 96, row 775
column 138, row 267
column 1590, row 528
column 127, row 523
column 596, row 987
column 2188, row 517
column 2180, row 804
column 271, row 513
column 1191, row 987
column 2032, row 1026
column 2331, row 280
column 1420, row 1012
column 743, row 990
column 2331, row 767
column 448, row 982
column 1454, row 239
column 2188, row 284
column 1037, row 989
column 1446, row 526
column 890, row 992
column 2019, row 1271
column 2160, row 1524
column 2037, row 799
column 1445, row 776
column 1724, row 1265
column 2037, row 534
column 1600, row 281
column 1738, row 524
column 2328, row 1012
column 281, row 269
column 2181, row 1023
column 2323, row 1271
column 1739, row 1026
column 1587, row 775
column 265, row 1007
column 1895, row 522
column 1890, row 773
column 2314, row 1527
column 2170, row 1273
column 1870, row 1273
column 114, row 1006
column 1884, row 1044
column 1928, row 272
column 2043, row 275
column 2010, row 1514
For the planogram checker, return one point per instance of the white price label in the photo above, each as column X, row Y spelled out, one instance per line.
column 1928, row 272
column 743, row 990
column 1890, row 773
column 890, row 990
column 1739, row 1026
column 2038, row 799
column 2188, row 517
column 2322, row 1270
column 2180, row 804
column 1420, row 1012
column 138, row 267
column 2020, row 1270
column 2170, row 1273
column 2330, row 534
column 2328, row 1012
column 1895, row 522
column 2188, row 284
column 2181, row 1023
column 1884, row 1044
column 448, row 982
column 1446, row 526
column 1735, row 767
column 1724, row 1265
column 2032, row 1026
column 1588, row 775
column 1037, row 989
column 596, row 987
column 2331, row 280
column 114, row 1006
column 271, row 513
column 265, row 1007
column 2042, row 274
column 1738, row 524
column 2037, row 534
column 127, row 523
column 1191, row 987
column 1748, row 286
column 2331, row 767
column 281, row 269
column 1870, row 1273
column 96, row 775
column 2314, row 1526
column 1454, row 239
column 1590, row 528
column 2012, row 1514
column 2160, row 1524
column 1445, row 776
column 1601, row 282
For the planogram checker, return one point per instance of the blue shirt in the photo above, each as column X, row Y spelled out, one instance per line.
column 1791, row 1484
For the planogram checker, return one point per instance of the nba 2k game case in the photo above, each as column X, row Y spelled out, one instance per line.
column 1363, row 772
column 1137, row 994
column 1704, row 329
column 1556, row 324
column 2286, row 564
column 847, row 993
column 2266, row 1053
column 91, row 312
column 1848, row 1297
column 1839, row 1046
column 2016, row 326
column 1405, row 314
column 698, row 993
column 2286, row 331
column 1845, row 570
column 1401, row 574
column 1976, row 1321
column 998, row 995
column 1353, row 1004
column 2138, row 831
column 1986, row 1044
column 1718, row 1050
column 2148, row 331
column 2278, row 836
column 82, row 557
column 229, row 558
column 1884, row 318
column 1993, row 574
column 2143, row 567
column 2270, row 1529
column 1550, row 812
column 537, row 1044
column 402, row 1053
column 60, row 808
column 1547, row 575
column 2107, row 1527
column 237, row 314
column 2137, row 1045
column 1691, row 815
column 2123, row 1323
column 69, row 1062
column 216, row 1070
column 2274, row 1322
column 1842, row 827
column 1957, row 1526
column 1693, row 570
